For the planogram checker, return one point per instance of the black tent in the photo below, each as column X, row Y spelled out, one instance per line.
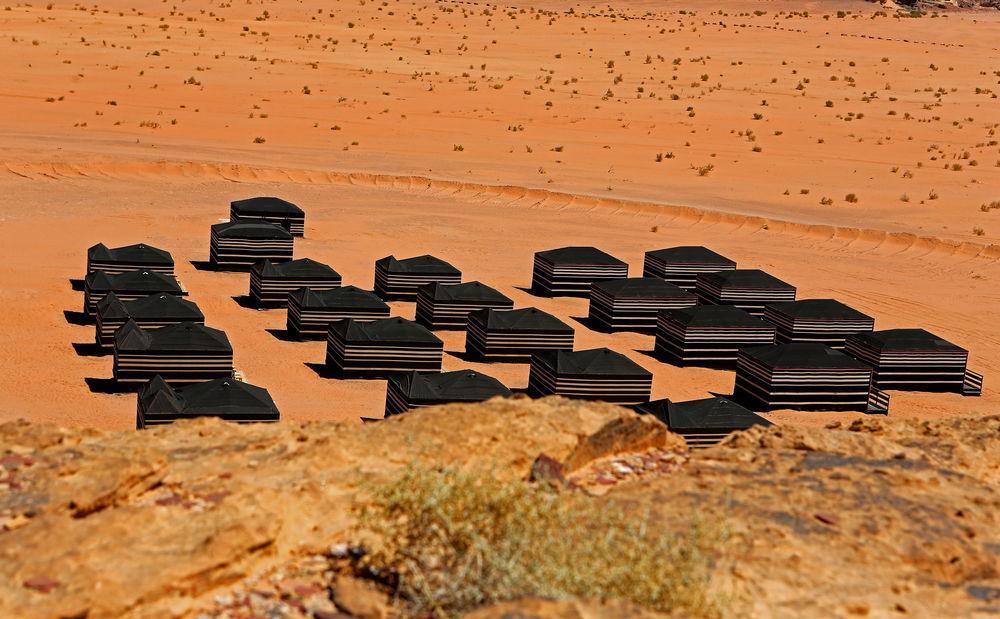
column 140, row 257
column 126, row 286
column 682, row 265
column 632, row 303
column 705, row 422
column 382, row 347
column 708, row 334
column 271, row 283
column 242, row 243
column 447, row 306
column 152, row 312
column 414, row 389
column 807, row 377
column 272, row 210
column 747, row 289
column 596, row 374
column 915, row 360
column 225, row 398
column 823, row 321
column 310, row 312
column 569, row 271
column 515, row 334
column 398, row 280
column 186, row 352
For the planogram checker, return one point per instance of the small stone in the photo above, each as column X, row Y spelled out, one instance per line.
column 42, row 584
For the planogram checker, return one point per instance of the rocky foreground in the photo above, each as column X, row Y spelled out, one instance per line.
column 881, row 518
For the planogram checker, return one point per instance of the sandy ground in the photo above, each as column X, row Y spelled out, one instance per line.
column 482, row 133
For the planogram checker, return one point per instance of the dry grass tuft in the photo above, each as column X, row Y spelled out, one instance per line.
column 452, row 541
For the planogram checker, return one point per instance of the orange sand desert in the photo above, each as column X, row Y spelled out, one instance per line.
column 846, row 150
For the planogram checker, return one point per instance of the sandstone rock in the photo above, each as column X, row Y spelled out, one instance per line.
column 876, row 516
column 359, row 599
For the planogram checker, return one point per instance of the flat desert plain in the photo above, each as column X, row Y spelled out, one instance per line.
column 843, row 148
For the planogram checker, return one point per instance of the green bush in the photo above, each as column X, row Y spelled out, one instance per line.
column 453, row 541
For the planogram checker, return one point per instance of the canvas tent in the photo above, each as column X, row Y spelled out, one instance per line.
column 748, row 289
column 632, row 303
column 240, row 244
column 272, row 210
column 595, row 374
column 398, row 280
column 516, row 334
column 310, row 312
column 681, row 266
column 181, row 353
column 159, row 403
column 569, row 271
column 708, row 334
column 127, row 287
column 382, row 347
column 822, row 321
column 139, row 257
column 805, row 377
column 415, row 389
column 152, row 312
column 447, row 306
column 271, row 283
column 703, row 422
column 915, row 360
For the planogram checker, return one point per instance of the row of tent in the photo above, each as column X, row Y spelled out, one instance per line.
column 703, row 310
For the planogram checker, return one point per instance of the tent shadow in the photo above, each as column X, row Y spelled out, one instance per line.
column 77, row 284
column 323, row 371
column 245, row 300
column 204, row 265
column 77, row 318
column 90, row 349
column 589, row 324
column 285, row 335
column 108, row 385
column 472, row 358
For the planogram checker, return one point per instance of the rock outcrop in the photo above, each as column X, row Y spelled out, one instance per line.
column 881, row 518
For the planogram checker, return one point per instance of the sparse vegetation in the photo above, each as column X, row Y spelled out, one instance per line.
column 454, row 541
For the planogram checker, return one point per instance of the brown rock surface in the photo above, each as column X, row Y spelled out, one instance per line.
column 879, row 517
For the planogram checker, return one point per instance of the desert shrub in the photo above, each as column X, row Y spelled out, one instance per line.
column 452, row 541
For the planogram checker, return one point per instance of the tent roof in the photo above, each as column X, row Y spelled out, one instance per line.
column 460, row 385
column 745, row 278
column 183, row 336
column 468, row 291
column 530, row 318
column 906, row 339
column 691, row 254
column 386, row 330
column 250, row 230
column 598, row 361
column 715, row 413
column 830, row 309
column 265, row 205
column 803, row 355
column 579, row 255
column 154, row 306
column 425, row 264
column 132, row 281
column 345, row 296
column 715, row 316
column 139, row 252
column 219, row 396
column 641, row 287
column 303, row 267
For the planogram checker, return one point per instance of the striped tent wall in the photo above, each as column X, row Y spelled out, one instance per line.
column 494, row 335
column 240, row 245
column 710, row 344
column 632, row 304
column 382, row 347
